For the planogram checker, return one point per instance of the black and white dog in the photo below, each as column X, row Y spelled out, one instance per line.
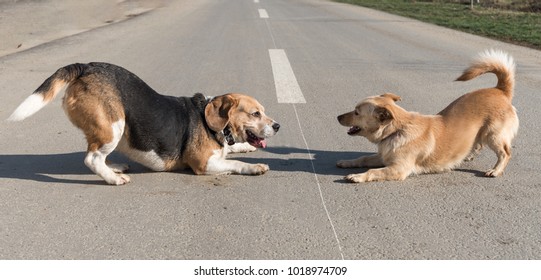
column 116, row 110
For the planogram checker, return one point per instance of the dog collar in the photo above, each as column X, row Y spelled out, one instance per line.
column 228, row 136
column 225, row 134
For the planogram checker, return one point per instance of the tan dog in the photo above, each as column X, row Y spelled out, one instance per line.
column 116, row 110
column 411, row 143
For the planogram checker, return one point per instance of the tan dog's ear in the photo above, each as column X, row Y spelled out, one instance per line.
column 217, row 112
column 392, row 96
column 382, row 114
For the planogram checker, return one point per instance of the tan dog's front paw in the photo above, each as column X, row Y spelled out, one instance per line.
column 357, row 178
column 380, row 174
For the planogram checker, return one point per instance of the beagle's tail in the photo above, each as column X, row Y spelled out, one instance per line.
column 47, row 91
column 497, row 62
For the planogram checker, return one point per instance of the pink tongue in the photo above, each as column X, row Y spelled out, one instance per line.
column 259, row 143
column 262, row 143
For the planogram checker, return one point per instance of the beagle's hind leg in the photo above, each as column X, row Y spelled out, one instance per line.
column 99, row 149
column 94, row 106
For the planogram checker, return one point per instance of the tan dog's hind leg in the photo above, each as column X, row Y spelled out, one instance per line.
column 474, row 152
column 364, row 161
column 503, row 151
column 500, row 143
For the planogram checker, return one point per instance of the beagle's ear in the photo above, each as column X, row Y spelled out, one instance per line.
column 392, row 96
column 383, row 114
column 217, row 112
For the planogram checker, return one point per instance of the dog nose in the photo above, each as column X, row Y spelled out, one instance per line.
column 276, row 126
column 340, row 118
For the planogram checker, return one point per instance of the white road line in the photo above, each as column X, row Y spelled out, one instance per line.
column 263, row 13
column 256, row 1
column 287, row 88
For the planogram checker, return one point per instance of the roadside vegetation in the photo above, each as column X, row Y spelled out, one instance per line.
column 515, row 21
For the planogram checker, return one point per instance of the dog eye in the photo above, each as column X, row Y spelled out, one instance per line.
column 256, row 114
column 356, row 113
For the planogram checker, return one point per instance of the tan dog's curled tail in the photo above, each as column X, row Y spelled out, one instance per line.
column 47, row 91
column 497, row 62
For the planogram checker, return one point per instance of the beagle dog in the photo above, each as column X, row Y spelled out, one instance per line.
column 116, row 110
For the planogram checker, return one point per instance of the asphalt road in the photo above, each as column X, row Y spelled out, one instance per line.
column 53, row 207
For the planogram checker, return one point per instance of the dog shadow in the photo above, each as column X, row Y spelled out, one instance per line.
column 302, row 160
column 324, row 162
column 476, row 173
column 43, row 168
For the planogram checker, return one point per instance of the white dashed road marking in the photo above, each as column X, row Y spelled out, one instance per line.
column 287, row 88
column 263, row 13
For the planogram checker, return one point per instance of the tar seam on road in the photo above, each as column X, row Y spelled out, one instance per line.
column 318, row 183
column 310, row 157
